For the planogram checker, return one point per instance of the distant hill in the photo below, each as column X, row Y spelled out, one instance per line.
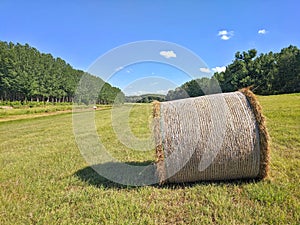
column 146, row 98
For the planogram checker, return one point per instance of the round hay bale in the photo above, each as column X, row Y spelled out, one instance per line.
column 213, row 137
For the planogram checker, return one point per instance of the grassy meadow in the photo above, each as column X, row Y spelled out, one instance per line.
column 45, row 180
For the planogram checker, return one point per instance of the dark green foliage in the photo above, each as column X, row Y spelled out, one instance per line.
column 109, row 95
column 194, row 88
column 271, row 73
column 29, row 75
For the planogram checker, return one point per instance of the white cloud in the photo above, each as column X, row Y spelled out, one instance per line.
column 219, row 69
column 119, row 68
column 162, row 92
column 204, row 70
column 225, row 37
column 136, row 93
column 168, row 54
column 129, row 70
column 262, row 31
column 225, row 34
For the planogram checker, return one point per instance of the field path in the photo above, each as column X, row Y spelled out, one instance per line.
column 33, row 115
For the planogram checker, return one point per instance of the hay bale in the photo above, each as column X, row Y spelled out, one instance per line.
column 212, row 137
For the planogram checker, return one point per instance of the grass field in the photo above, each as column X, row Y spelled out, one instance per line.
column 45, row 180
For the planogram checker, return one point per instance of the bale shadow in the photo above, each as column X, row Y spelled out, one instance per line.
column 116, row 171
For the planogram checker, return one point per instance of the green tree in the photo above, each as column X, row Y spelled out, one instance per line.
column 27, row 74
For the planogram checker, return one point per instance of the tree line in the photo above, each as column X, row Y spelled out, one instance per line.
column 29, row 75
column 267, row 74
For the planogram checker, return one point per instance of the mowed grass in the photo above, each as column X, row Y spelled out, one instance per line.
column 45, row 180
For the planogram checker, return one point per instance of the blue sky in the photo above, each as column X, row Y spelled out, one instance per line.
column 82, row 31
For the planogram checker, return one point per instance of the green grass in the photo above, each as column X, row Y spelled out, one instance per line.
column 45, row 180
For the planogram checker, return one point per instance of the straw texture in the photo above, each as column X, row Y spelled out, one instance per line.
column 212, row 137
column 263, row 133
